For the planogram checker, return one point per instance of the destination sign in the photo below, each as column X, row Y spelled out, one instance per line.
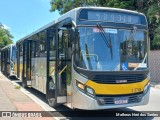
column 112, row 16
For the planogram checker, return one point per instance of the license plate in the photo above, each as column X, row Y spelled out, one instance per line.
column 120, row 100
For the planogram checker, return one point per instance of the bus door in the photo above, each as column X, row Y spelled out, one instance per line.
column 26, row 63
column 7, row 62
column 18, row 60
column 59, row 66
column 51, row 66
column 63, row 66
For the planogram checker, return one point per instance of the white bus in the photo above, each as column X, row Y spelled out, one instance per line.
column 89, row 58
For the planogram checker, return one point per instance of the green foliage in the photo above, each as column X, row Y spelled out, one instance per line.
column 156, row 41
column 64, row 6
column 5, row 36
column 153, row 15
column 151, row 8
column 17, row 87
column 118, row 4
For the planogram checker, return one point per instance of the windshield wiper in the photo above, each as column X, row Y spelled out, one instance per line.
column 108, row 41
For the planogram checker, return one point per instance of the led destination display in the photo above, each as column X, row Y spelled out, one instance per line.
column 112, row 16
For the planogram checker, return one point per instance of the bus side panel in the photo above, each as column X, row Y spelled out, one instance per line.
column 42, row 74
column 39, row 74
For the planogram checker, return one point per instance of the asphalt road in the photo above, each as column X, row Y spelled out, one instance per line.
column 154, row 105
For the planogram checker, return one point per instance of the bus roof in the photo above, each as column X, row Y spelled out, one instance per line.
column 72, row 14
column 7, row 46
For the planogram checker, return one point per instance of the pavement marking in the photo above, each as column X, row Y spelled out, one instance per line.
column 44, row 105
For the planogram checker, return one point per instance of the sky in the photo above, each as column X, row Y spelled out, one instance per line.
column 22, row 17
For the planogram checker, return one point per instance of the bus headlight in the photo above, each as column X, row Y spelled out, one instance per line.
column 89, row 91
column 80, row 85
column 146, row 87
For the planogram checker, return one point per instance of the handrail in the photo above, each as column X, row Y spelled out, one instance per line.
column 62, row 70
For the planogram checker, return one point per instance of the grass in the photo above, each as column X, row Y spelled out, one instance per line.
column 17, row 87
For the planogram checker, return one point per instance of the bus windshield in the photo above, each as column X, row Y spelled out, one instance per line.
column 129, row 51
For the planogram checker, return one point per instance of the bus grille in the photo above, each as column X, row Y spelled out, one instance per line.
column 118, row 79
column 111, row 100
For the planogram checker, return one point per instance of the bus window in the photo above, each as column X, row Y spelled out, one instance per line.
column 53, row 47
column 21, row 50
column 33, row 49
column 8, row 57
column 13, row 53
column 42, row 45
column 37, row 48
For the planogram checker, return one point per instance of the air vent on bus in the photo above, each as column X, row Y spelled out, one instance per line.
column 118, row 79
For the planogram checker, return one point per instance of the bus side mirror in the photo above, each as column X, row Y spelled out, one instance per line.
column 73, row 38
column 72, row 35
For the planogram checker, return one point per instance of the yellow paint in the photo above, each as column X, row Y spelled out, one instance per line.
column 20, row 70
column 15, row 68
column 133, row 65
column 52, row 72
column 117, row 89
column 69, row 93
column 62, row 70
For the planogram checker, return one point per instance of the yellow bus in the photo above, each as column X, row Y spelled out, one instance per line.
column 89, row 58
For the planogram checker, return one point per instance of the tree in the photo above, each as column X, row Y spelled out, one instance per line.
column 153, row 15
column 5, row 36
column 64, row 6
column 156, row 40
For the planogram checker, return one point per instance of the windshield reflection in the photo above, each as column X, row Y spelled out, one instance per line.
column 128, row 53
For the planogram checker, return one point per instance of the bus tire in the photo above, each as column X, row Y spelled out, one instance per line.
column 50, row 93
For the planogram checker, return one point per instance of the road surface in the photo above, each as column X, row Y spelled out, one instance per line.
column 154, row 105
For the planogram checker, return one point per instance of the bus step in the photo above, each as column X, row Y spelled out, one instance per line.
column 61, row 99
column 28, row 82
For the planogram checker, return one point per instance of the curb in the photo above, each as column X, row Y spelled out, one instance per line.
column 43, row 105
column 155, row 86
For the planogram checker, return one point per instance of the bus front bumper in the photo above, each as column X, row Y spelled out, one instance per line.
column 82, row 101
